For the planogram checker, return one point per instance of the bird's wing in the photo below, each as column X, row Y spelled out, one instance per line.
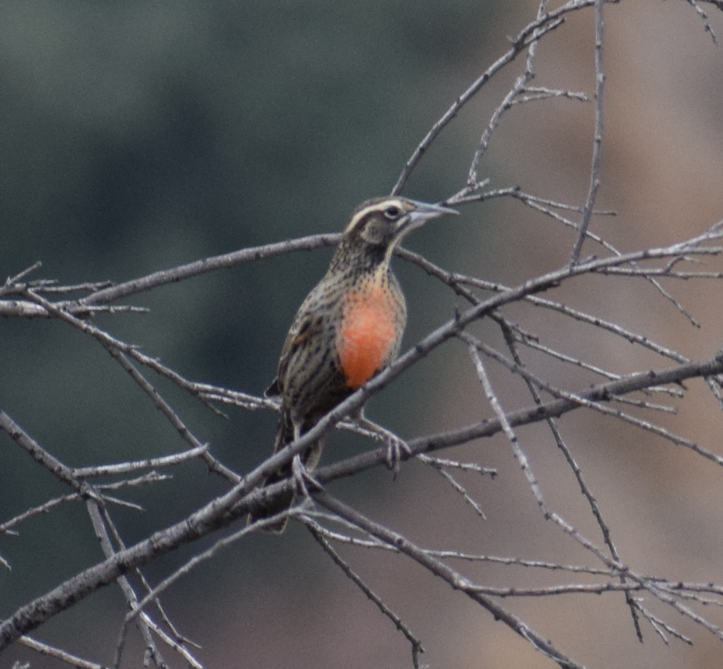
column 306, row 326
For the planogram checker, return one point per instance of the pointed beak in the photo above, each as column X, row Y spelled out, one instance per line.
column 422, row 212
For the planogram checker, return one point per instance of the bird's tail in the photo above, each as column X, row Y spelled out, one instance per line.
column 310, row 457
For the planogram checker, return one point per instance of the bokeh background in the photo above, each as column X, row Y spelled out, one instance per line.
column 136, row 136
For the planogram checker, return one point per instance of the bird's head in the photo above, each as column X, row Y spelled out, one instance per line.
column 377, row 226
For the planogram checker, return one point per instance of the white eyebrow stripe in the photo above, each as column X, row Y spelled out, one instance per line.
column 377, row 206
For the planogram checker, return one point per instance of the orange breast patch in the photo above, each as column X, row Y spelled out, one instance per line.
column 367, row 333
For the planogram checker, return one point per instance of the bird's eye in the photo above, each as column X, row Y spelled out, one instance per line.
column 392, row 212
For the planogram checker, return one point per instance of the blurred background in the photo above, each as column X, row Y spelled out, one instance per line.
column 138, row 136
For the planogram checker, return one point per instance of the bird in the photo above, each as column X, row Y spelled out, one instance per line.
column 347, row 330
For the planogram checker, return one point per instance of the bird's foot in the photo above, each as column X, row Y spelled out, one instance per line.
column 397, row 448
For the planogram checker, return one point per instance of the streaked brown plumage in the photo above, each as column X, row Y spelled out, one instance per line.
column 347, row 330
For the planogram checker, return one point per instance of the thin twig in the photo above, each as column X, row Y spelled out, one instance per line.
column 597, row 137
column 450, row 576
column 59, row 654
column 572, row 463
column 416, row 644
column 527, row 36
column 127, row 467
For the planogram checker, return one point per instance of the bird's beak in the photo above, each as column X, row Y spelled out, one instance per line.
column 422, row 212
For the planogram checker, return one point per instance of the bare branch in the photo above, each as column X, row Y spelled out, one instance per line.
column 453, row 578
column 58, row 654
column 597, row 138
column 416, row 644
column 527, row 36
column 207, row 265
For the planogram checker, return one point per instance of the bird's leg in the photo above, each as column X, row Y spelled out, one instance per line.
column 303, row 477
column 299, row 472
column 397, row 448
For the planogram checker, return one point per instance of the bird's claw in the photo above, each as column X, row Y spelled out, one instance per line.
column 397, row 449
